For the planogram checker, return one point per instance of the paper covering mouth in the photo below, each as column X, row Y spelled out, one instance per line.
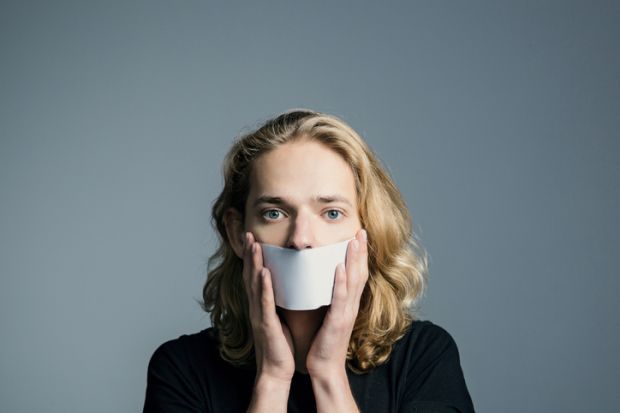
column 303, row 279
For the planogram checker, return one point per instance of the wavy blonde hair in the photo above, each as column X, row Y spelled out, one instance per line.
column 397, row 265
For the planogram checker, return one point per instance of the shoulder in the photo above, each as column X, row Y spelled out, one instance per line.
column 193, row 355
column 186, row 348
column 423, row 344
column 427, row 327
column 188, row 372
column 190, row 355
column 187, row 342
column 431, row 367
column 425, row 336
column 169, row 387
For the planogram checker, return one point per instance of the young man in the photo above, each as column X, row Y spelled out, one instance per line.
column 306, row 180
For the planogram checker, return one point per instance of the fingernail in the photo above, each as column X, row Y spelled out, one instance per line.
column 254, row 247
column 364, row 235
column 355, row 245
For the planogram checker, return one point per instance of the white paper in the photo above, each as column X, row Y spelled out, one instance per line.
column 303, row 279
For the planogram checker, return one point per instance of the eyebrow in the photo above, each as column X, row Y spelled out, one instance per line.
column 322, row 199
column 328, row 199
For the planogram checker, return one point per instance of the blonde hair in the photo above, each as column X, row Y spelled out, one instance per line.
column 397, row 265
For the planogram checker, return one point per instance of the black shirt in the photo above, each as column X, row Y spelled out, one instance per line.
column 422, row 375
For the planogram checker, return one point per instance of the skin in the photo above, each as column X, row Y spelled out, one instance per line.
column 297, row 202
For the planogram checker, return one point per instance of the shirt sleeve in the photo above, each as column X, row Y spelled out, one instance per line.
column 169, row 386
column 435, row 381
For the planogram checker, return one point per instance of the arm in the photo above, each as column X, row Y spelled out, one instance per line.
column 269, row 396
column 326, row 360
column 272, row 341
column 172, row 386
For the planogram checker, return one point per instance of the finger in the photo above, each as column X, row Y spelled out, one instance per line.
column 339, row 294
column 352, row 264
column 257, row 257
column 250, row 270
column 246, row 260
column 363, row 257
column 357, row 269
column 268, row 306
column 256, row 267
column 247, row 248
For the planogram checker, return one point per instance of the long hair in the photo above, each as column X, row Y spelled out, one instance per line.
column 397, row 264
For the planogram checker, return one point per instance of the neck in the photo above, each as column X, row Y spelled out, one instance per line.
column 303, row 326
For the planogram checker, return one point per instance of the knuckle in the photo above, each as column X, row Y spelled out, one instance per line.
column 264, row 325
column 265, row 300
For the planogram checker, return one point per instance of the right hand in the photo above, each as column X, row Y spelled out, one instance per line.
column 273, row 343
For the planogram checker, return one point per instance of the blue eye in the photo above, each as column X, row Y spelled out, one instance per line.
column 333, row 214
column 272, row 214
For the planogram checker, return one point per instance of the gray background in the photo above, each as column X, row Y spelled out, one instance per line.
column 498, row 120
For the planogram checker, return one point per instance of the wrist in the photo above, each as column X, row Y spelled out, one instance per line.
column 269, row 395
column 334, row 380
column 333, row 392
column 327, row 371
column 272, row 384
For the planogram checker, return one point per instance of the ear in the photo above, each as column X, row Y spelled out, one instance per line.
column 234, row 230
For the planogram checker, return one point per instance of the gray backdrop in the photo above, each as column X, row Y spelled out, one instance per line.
column 498, row 120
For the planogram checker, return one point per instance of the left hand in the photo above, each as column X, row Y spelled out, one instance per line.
column 328, row 352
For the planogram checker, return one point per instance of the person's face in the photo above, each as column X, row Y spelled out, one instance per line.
column 302, row 195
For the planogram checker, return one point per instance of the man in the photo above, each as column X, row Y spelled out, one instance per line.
column 306, row 180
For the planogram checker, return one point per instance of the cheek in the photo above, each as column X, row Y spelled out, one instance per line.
column 328, row 233
column 350, row 229
column 274, row 234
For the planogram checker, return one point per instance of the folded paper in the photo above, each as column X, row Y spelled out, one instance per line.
column 303, row 279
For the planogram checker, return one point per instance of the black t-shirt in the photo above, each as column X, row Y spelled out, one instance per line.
column 423, row 375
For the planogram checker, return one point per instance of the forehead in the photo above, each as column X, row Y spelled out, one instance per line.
column 300, row 170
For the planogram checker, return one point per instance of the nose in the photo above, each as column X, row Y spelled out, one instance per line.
column 301, row 235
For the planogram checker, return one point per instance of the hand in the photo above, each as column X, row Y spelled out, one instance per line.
column 328, row 352
column 272, row 340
